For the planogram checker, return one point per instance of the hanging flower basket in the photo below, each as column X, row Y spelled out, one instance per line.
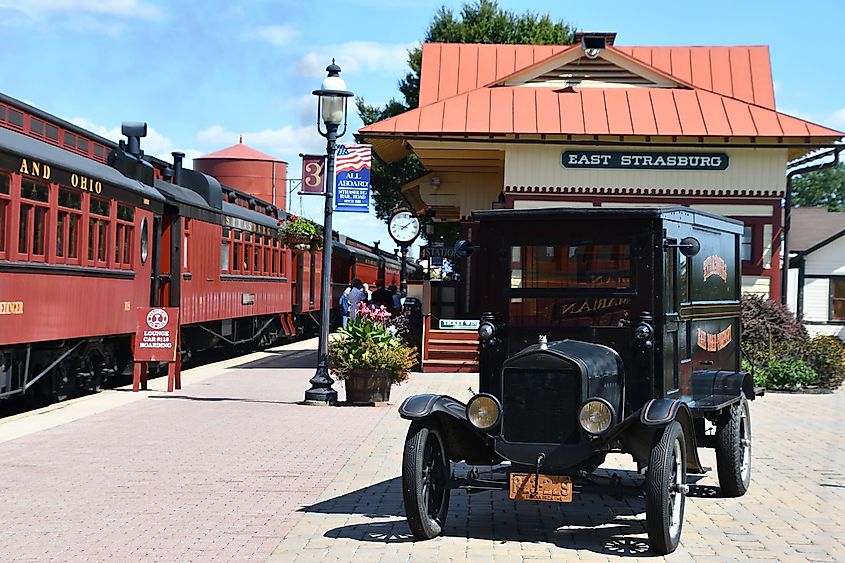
column 300, row 234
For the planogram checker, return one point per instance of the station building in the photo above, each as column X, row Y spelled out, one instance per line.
column 596, row 124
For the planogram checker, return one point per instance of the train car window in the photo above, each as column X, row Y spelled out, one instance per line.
column 267, row 263
column 186, row 237
column 145, row 243
column 67, row 225
column 69, row 140
column 98, row 224
column 123, row 240
column 52, row 133
column 99, row 151
column 2, row 113
column 36, row 126
column 4, row 206
column 82, row 144
column 256, row 259
column 34, row 213
column 236, row 256
column 224, row 256
column 15, row 118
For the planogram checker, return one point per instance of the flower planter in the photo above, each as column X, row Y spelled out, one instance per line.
column 367, row 386
column 298, row 243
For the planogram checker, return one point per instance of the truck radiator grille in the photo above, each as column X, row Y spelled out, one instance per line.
column 540, row 405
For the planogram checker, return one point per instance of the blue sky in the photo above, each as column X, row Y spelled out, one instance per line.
column 203, row 72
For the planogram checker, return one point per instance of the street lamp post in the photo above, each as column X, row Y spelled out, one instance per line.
column 331, row 106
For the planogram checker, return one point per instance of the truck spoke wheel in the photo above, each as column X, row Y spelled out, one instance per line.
column 665, row 489
column 426, row 472
column 733, row 449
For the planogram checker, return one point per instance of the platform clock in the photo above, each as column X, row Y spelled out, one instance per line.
column 403, row 226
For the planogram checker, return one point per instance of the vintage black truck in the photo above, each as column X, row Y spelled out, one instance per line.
column 602, row 330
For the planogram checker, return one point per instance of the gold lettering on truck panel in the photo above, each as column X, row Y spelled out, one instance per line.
column 11, row 307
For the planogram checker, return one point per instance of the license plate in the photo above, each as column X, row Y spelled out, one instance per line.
column 552, row 488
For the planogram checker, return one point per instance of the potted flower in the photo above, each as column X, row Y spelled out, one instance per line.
column 370, row 355
column 300, row 234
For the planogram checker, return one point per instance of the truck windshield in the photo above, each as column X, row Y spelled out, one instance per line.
column 571, row 266
column 593, row 283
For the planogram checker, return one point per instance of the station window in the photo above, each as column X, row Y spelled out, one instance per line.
column 32, row 231
column 745, row 243
column 837, row 299
column 4, row 206
column 123, row 239
column 98, row 230
column 69, row 218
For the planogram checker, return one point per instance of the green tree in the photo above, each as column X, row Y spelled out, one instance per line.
column 825, row 188
column 481, row 21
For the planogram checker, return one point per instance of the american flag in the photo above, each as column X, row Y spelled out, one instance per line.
column 353, row 158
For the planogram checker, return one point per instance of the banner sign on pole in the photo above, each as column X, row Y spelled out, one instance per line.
column 352, row 173
column 313, row 173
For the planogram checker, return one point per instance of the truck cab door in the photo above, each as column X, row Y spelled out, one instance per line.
column 677, row 363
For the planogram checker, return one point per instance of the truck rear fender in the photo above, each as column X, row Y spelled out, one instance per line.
column 463, row 442
column 655, row 415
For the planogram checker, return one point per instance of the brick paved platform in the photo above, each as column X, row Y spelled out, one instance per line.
column 233, row 469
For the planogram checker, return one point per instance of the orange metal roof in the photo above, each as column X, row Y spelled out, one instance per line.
column 594, row 111
column 239, row 151
column 722, row 91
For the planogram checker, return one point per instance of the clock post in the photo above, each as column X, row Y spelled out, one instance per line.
column 404, row 228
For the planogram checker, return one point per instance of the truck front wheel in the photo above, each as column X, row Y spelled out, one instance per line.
column 733, row 449
column 426, row 476
column 665, row 489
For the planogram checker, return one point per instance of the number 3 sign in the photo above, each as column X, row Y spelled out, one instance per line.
column 313, row 173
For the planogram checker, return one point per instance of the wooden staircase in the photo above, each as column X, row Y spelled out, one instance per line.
column 450, row 351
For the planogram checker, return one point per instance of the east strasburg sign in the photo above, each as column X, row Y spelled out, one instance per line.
column 645, row 160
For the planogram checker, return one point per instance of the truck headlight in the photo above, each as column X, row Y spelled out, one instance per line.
column 486, row 331
column 595, row 416
column 483, row 411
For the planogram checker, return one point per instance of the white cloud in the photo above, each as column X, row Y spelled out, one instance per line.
column 285, row 143
column 274, row 34
column 838, row 117
column 357, row 57
column 132, row 9
column 154, row 144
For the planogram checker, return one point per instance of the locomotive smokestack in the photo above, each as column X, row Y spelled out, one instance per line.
column 177, row 167
column 134, row 130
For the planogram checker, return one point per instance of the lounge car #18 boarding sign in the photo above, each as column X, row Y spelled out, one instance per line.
column 156, row 335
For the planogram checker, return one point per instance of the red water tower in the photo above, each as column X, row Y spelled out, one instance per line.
column 248, row 170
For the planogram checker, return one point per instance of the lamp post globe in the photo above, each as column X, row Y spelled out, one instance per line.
column 331, row 108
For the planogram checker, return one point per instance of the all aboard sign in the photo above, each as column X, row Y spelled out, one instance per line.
column 627, row 160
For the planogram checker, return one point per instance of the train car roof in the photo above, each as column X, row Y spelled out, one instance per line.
column 19, row 144
column 353, row 250
column 182, row 195
column 249, row 215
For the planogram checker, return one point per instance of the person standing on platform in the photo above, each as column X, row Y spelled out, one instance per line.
column 367, row 293
column 383, row 298
column 397, row 300
column 344, row 305
column 355, row 297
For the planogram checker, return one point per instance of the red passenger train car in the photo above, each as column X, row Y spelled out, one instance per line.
column 86, row 237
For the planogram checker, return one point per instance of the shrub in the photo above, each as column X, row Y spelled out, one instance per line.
column 788, row 373
column 826, row 355
column 770, row 330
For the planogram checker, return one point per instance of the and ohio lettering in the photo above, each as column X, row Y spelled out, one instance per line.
column 715, row 266
column 713, row 342
column 645, row 160
column 43, row 171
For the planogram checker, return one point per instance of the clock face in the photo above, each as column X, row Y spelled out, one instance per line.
column 404, row 226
